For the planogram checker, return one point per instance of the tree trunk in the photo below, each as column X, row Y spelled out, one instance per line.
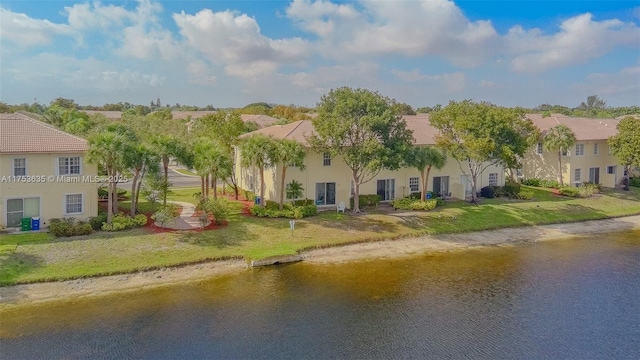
column 627, row 170
column 134, row 185
column 356, row 194
column 426, row 182
column 115, row 196
column 144, row 167
column 165, row 167
column 423, row 193
column 263, row 203
column 110, row 199
column 202, row 187
column 474, row 196
column 560, row 167
column 214, row 183
column 284, row 173
column 206, row 196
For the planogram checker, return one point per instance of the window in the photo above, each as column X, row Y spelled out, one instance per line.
column 19, row 167
column 595, row 149
column 493, row 179
column 594, row 175
column 73, row 204
column 414, row 184
column 576, row 175
column 611, row 170
column 565, row 152
column 326, row 159
column 69, row 166
column 539, row 148
column 579, row 149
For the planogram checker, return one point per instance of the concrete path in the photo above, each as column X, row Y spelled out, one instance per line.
column 186, row 221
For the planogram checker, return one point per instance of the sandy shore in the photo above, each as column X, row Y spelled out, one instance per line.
column 43, row 292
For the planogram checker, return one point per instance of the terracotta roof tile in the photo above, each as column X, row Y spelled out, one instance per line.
column 22, row 134
column 585, row 129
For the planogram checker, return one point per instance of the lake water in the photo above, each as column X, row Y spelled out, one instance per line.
column 575, row 299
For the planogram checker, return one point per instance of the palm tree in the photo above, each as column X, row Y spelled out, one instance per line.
column 259, row 151
column 424, row 158
column 138, row 158
column 559, row 138
column 288, row 153
column 107, row 148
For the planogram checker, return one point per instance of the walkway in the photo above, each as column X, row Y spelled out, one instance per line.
column 186, row 221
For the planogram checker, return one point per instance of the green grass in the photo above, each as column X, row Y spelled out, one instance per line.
column 186, row 172
column 40, row 257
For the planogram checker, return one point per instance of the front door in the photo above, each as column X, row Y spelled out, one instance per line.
column 386, row 189
column 441, row 185
column 594, row 175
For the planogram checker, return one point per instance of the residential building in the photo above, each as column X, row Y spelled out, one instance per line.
column 328, row 180
column 43, row 173
column 589, row 160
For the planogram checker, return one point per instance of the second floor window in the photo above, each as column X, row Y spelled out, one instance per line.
column 595, row 149
column 539, row 148
column 579, row 149
column 326, row 159
column 19, row 167
column 69, row 165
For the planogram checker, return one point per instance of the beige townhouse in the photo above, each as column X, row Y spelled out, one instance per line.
column 43, row 173
column 589, row 160
column 328, row 180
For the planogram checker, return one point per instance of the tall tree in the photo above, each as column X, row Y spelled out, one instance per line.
column 481, row 135
column 288, row 153
column 361, row 127
column 168, row 147
column 559, row 138
column 259, row 151
column 625, row 145
column 107, row 149
column 424, row 158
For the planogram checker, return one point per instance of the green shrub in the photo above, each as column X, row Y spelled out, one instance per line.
column 588, row 189
column 369, row 200
column 218, row 208
column 289, row 211
column 69, row 227
column 408, row 203
column 272, row 205
column 569, row 191
column 304, row 202
column 551, row 184
column 488, row 192
column 525, row 194
column 512, row 189
column 440, row 202
column 531, row 182
column 97, row 221
column 121, row 221
column 635, row 182
column 103, row 193
column 249, row 195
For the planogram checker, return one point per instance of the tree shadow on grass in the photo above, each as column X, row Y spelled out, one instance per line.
column 14, row 264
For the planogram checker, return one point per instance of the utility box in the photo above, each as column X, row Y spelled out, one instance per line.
column 35, row 223
column 25, row 224
column 258, row 200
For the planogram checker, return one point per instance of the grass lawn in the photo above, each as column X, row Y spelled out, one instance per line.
column 35, row 257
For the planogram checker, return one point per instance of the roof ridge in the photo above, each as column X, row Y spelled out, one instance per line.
column 294, row 128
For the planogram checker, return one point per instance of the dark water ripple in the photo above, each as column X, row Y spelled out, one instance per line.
column 573, row 299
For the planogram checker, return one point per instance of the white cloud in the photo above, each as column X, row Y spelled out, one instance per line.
column 200, row 73
column 623, row 84
column 579, row 40
column 95, row 15
column 452, row 82
column 487, row 84
column 24, row 31
column 417, row 28
column 235, row 41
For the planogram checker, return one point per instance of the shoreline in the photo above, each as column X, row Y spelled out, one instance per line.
column 385, row 249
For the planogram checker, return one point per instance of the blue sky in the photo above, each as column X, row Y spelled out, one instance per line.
column 231, row 53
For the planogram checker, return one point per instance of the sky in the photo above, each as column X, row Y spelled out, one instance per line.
column 232, row 53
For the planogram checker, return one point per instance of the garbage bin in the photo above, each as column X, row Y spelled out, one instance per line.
column 25, row 224
column 35, row 223
column 428, row 195
column 257, row 200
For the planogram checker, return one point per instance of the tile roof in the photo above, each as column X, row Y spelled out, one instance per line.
column 585, row 129
column 262, row 120
column 21, row 134
column 423, row 132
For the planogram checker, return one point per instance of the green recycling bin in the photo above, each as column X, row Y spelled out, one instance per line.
column 25, row 224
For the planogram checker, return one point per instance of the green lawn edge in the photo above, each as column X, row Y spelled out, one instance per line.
column 38, row 257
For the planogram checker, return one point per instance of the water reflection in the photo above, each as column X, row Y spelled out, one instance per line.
column 562, row 299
